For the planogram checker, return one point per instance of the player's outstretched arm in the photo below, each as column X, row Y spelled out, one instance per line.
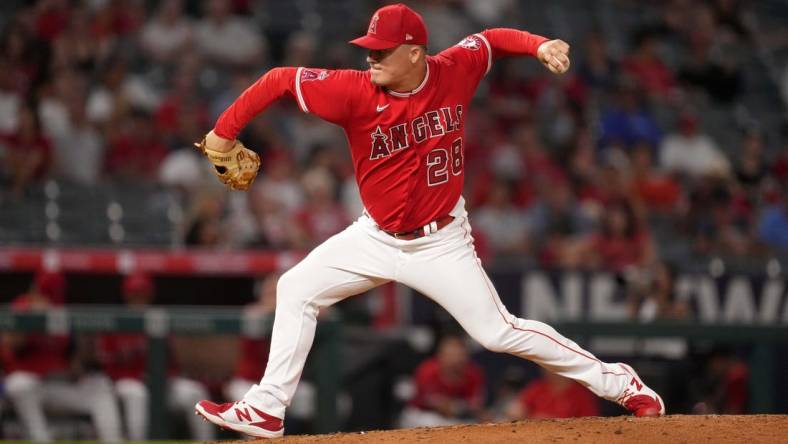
column 554, row 54
column 235, row 165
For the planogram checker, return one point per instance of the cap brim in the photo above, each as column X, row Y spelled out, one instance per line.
column 370, row 42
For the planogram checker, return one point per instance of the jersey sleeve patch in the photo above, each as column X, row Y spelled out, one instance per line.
column 311, row 74
column 472, row 42
column 477, row 42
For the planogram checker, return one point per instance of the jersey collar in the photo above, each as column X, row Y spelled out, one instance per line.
column 418, row 88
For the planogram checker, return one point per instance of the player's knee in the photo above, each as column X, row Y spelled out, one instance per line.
column 20, row 384
column 491, row 342
column 291, row 288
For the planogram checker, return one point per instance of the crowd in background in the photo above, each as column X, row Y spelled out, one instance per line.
column 586, row 169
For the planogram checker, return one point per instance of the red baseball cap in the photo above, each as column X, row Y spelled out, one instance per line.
column 391, row 26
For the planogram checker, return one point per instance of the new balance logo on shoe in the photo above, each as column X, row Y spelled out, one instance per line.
column 243, row 415
column 637, row 384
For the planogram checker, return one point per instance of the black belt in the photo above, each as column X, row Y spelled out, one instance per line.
column 420, row 232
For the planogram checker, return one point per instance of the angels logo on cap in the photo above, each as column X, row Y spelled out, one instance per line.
column 391, row 26
column 373, row 24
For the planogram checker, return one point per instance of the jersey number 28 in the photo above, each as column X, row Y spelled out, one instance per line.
column 439, row 161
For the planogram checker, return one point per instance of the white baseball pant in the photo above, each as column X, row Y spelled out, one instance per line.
column 91, row 395
column 444, row 267
column 182, row 394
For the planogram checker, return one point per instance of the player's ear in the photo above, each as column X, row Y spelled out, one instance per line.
column 417, row 52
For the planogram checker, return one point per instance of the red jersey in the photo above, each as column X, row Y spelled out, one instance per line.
column 37, row 353
column 430, row 383
column 125, row 355
column 540, row 399
column 407, row 148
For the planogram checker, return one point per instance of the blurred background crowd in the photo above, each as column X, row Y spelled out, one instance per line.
column 664, row 148
column 671, row 119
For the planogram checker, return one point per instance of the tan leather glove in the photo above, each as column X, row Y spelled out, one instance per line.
column 236, row 168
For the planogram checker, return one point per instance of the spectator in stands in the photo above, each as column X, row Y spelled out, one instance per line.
column 279, row 182
column 203, row 225
column 502, row 223
column 226, row 39
column 556, row 222
column 124, row 358
column 28, row 153
column 168, row 33
column 622, row 244
column 722, row 386
column 78, row 146
column 645, row 65
column 627, row 122
column 491, row 13
column 732, row 16
column 301, row 49
column 108, row 102
column 240, row 80
column 135, row 149
column 117, row 19
column 506, row 392
column 41, row 376
column 51, row 18
column 182, row 107
column 25, row 55
column 449, row 388
column 657, row 191
column 690, row 152
column 719, row 217
column 553, row 396
column 773, row 226
column 597, row 70
column 751, row 168
column 322, row 216
column 77, row 48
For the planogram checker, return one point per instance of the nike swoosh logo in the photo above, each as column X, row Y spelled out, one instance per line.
column 380, row 108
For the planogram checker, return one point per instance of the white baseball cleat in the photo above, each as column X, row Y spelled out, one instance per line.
column 241, row 417
column 638, row 398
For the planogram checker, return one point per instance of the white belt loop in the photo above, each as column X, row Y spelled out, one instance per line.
column 426, row 229
column 434, row 226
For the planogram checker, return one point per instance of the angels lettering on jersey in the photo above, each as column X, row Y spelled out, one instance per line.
column 431, row 124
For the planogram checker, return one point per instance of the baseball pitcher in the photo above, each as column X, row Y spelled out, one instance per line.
column 404, row 118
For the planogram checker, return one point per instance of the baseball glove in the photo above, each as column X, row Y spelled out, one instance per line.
column 236, row 168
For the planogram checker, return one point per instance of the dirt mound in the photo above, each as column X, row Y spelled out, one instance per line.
column 670, row 429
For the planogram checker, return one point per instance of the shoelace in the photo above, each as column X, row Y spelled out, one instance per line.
column 625, row 397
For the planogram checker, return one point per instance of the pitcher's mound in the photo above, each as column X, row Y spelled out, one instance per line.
column 748, row 429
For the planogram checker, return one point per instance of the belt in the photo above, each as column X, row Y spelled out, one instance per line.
column 430, row 228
